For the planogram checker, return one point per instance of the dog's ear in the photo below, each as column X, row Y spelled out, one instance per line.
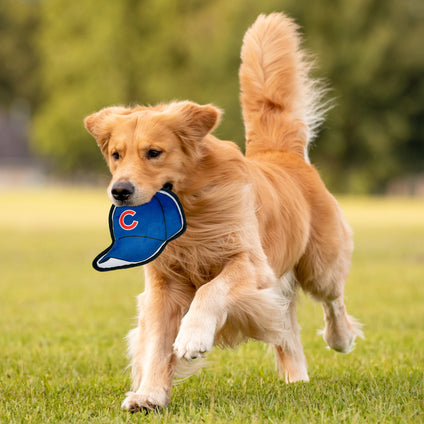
column 100, row 124
column 192, row 121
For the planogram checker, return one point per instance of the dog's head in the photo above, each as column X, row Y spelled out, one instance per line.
column 147, row 148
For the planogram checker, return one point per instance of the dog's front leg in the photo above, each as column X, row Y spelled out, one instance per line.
column 207, row 314
column 151, row 344
column 239, row 281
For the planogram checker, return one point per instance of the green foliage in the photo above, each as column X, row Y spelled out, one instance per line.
column 370, row 51
column 72, row 58
column 19, row 76
column 62, row 327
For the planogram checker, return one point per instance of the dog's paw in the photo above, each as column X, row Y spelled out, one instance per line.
column 193, row 341
column 341, row 335
column 145, row 402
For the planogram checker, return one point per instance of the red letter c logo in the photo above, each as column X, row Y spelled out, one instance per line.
column 122, row 222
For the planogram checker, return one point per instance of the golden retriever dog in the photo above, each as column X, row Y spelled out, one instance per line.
column 259, row 225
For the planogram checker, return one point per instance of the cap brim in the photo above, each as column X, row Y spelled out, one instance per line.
column 128, row 252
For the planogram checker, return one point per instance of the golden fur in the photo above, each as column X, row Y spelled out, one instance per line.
column 258, row 226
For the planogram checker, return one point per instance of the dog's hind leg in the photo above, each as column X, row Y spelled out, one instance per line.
column 290, row 359
column 340, row 329
column 322, row 272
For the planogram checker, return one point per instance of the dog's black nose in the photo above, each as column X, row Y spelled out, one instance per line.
column 122, row 190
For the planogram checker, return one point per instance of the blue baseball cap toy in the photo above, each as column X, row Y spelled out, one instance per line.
column 140, row 233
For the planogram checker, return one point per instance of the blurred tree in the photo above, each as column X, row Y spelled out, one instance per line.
column 19, row 77
column 369, row 50
column 79, row 69
column 145, row 51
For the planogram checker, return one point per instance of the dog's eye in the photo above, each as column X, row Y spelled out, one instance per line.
column 115, row 155
column 151, row 154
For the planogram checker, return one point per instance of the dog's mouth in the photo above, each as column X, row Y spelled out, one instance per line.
column 168, row 186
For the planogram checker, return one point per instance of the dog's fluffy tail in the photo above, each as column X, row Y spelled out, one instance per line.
column 280, row 102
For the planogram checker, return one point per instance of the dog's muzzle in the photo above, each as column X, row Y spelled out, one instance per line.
column 122, row 190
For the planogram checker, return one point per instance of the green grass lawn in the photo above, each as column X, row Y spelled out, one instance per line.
column 62, row 326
